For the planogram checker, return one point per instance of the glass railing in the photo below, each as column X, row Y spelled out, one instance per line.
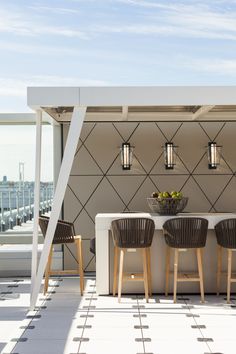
column 17, row 205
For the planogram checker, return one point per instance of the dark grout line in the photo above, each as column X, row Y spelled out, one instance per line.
column 198, row 327
column 85, row 326
column 141, row 324
column 28, row 326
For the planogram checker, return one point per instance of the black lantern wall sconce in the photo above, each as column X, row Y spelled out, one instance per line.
column 170, row 151
column 214, row 154
column 170, row 154
column 126, row 156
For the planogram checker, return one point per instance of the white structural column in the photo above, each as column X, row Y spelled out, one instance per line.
column 70, row 149
column 36, row 197
column 201, row 111
column 56, row 151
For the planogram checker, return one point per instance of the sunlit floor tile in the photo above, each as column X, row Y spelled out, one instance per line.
column 176, row 346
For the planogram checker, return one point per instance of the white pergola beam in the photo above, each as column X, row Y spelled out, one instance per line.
column 130, row 96
column 23, row 118
column 201, row 111
column 69, row 152
column 36, row 197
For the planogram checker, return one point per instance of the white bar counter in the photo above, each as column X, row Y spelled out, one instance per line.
column 104, row 254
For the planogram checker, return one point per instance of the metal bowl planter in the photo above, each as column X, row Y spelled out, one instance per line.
column 167, row 206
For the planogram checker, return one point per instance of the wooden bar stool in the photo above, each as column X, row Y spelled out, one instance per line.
column 64, row 233
column 182, row 234
column 132, row 233
column 226, row 238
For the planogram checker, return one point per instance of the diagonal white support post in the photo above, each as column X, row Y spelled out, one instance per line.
column 201, row 111
column 70, row 149
column 36, row 196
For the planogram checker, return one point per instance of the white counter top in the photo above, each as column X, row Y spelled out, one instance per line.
column 103, row 221
column 103, row 225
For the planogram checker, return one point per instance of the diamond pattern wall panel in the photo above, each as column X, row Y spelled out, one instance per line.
column 144, row 190
column 147, row 138
column 165, row 183
column 102, row 144
column 191, row 140
column 126, row 185
column 98, row 183
column 228, row 147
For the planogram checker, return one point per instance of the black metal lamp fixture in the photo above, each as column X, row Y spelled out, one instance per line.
column 214, row 155
column 170, row 155
column 126, row 156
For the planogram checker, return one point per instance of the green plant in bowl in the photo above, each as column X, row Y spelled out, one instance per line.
column 166, row 194
column 167, row 203
column 176, row 195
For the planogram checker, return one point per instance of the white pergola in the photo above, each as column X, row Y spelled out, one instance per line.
column 79, row 104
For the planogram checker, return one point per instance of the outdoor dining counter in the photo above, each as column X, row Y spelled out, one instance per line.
column 133, row 263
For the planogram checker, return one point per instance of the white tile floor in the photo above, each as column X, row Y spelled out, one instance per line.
column 67, row 323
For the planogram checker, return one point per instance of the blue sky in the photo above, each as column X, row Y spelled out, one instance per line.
column 114, row 42
column 108, row 42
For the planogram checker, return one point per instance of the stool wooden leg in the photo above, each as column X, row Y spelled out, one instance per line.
column 80, row 264
column 47, row 272
column 176, row 258
column 167, row 269
column 120, row 273
column 200, row 272
column 145, row 273
column 149, row 271
column 229, row 274
column 219, row 267
column 116, row 252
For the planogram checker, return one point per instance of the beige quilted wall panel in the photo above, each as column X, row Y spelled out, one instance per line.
column 98, row 183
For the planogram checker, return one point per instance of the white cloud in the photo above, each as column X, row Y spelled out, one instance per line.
column 215, row 66
column 210, row 20
column 148, row 4
column 167, row 30
column 12, row 87
column 173, row 4
column 58, row 50
column 60, row 31
column 57, row 10
column 18, row 24
column 31, row 48
column 16, row 87
column 183, row 19
column 52, row 80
